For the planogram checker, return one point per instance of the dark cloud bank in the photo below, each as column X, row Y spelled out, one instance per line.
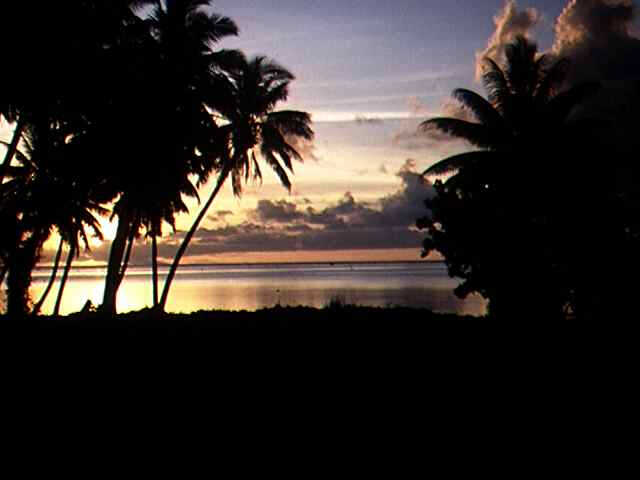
column 350, row 224
column 282, row 225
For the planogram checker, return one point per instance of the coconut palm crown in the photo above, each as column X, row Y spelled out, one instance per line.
column 524, row 104
column 250, row 130
column 254, row 129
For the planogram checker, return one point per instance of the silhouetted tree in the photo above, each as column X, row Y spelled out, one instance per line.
column 74, row 39
column 171, row 126
column 141, row 112
column 252, row 130
column 493, row 220
column 50, row 191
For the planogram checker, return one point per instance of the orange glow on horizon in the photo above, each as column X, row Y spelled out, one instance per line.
column 307, row 256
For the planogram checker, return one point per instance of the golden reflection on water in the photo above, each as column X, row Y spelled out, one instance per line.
column 253, row 288
column 132, row 296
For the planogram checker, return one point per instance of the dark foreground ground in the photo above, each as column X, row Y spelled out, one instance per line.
column 289, row 318
column 407, row 343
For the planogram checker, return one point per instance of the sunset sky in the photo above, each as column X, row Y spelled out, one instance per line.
column 369, row 72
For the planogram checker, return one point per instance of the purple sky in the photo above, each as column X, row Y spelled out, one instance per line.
column 359, row 56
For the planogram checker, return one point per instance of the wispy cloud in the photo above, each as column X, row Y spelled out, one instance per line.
column 397, row 79
column 510, row 22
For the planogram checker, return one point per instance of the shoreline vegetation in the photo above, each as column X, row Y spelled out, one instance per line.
column 335, row 315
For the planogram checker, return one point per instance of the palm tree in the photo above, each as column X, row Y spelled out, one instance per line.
column 74, row 228
column 524, row 105
column 490, row 219
column 77, row 39
column 49, row 191
column 171, row 125
column 252, row 130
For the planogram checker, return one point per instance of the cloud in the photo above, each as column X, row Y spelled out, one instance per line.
column 219, row 216
column 306, row 148
column 417, row 107
column 597, row 37
column 510, row 23
column 349, row 224
column 279, row 211
column 599, row 40
column 364, row 120
column 412, row 137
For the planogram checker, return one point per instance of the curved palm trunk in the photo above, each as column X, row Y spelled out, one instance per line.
column 154, row 268
column 63, row 282
column 114, row 268
column 185, row 243
column 52, row 279
column 13, row 148
column 127, row 256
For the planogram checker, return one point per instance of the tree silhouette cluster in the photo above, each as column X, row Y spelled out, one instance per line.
column 541, row 218
column 122, row 109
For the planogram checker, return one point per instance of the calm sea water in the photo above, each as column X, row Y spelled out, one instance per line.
column 252, row 287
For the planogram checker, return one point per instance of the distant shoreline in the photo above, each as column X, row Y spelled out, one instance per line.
column 250, row 264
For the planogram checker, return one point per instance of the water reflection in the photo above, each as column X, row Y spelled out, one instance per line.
column 253, row 287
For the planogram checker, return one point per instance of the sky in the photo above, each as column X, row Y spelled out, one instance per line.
column 369, row 72
column 369, row 57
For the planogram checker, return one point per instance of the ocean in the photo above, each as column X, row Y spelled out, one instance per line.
column 253, row 287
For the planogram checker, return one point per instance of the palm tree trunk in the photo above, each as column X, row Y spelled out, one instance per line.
column 127, row 257
column 114, row 268
column 13, row 148
column 185, row 243
column 154, row 268
column 52, row 279
column 65, row 276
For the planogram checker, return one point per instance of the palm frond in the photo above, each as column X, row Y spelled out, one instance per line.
column 273, row 162
column 475, row 133
column 274, row 95
column 290, row 122
column 221, row 27
column 226, row 60
column 484, row 112
column 456, row 162
column 257, row 172
column 520, row 69
column 274, row 141
column 497, row 87
column 271, row 70
column 236, row 182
